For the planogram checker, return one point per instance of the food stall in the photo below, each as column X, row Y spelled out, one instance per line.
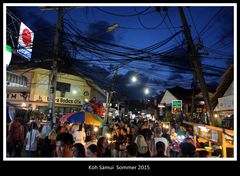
column 215, row 137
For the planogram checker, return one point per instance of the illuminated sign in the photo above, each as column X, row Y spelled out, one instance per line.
column 176, row 106
column 8, row 55
column 25, row 41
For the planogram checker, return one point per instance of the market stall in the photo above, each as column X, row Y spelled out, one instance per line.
column 219, row 138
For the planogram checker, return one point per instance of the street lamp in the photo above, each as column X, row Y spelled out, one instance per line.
column 134, row 79
column 146, row 91
column 108, row 30
column 112, row 27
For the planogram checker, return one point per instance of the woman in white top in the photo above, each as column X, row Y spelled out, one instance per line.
column 31, row 140
column 79, row 136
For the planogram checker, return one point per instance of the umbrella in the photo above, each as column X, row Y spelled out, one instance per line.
column 82, row 117
column 101, row 120
column 65, row 117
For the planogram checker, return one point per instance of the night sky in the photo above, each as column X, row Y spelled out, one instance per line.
column 149, row 43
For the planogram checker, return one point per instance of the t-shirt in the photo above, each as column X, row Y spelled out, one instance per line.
column 34, row 136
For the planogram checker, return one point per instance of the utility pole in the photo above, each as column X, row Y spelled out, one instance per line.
column 193, row 92
column 53, row 74
column 194, row 57
column 109, row 94
column 107, row 105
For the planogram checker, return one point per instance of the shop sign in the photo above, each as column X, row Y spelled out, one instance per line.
column 176, row 106
column 14, row 96
column 60, row 100
column 25, row 41
column 67, row 101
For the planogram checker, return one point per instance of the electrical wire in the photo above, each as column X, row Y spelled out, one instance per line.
column 168, row 26
column 169, row 19
column 119, row 56
column 121, row 15
column 194, row 25
column 213, row 18
column 150, row 28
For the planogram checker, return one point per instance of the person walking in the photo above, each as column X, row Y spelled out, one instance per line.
column 32, row 140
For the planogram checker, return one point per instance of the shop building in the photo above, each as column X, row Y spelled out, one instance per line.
column 223, row 100
column 185, row 95
column 225, row 108
column 71, row 91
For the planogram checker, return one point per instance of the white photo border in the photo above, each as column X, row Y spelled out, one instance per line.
column 234, row 5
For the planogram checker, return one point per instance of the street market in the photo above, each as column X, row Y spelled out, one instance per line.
column 101, row 82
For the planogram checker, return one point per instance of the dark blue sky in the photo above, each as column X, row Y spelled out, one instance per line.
column 141, row 27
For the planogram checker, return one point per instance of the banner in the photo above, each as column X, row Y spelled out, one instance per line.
column 25, row 41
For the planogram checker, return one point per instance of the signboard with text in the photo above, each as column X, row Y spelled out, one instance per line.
column 25, row 41
column 60, row 100
column 176, row 106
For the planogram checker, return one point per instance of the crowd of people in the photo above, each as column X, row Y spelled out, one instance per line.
column 118, row 138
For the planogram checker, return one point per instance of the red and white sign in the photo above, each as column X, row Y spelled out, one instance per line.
column 25, row 41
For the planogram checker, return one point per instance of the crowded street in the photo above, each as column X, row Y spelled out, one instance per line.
column 115, row 82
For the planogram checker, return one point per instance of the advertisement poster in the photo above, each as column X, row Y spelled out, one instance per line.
column 25, row 41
